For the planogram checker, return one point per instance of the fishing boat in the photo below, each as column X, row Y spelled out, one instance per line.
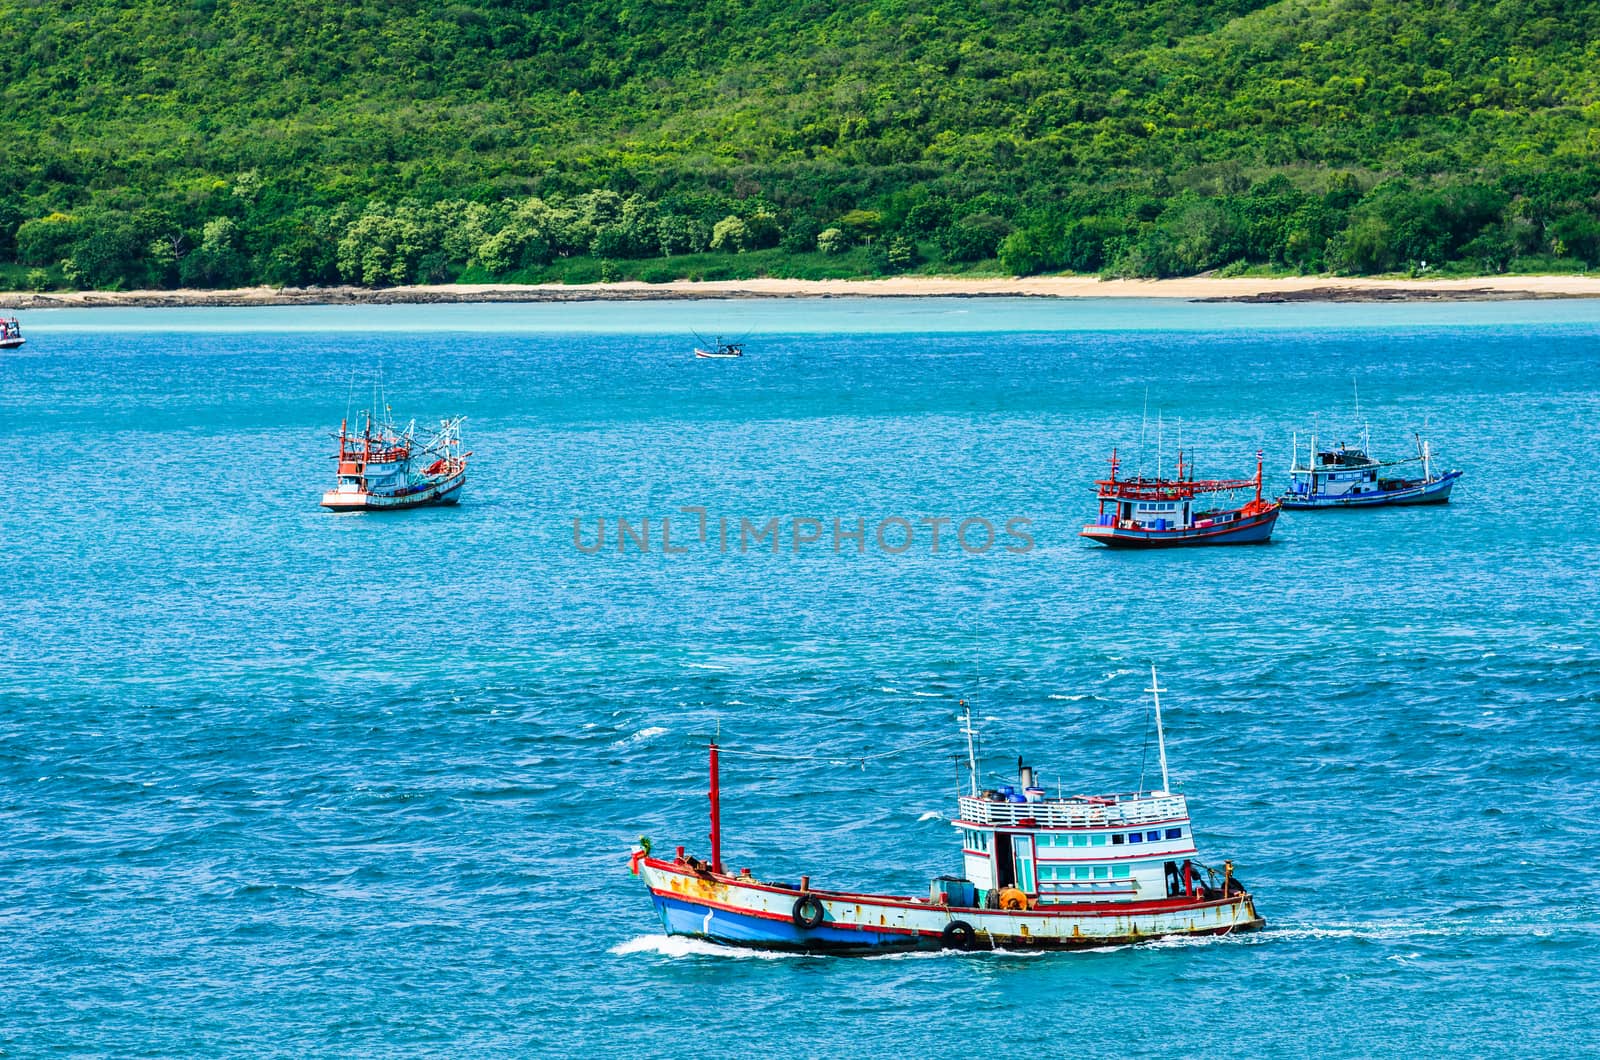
column 720, row 350
column 1039, row 873
column 1160, row 512
column 10, row 333
column 383, row 469
column 1348, row 477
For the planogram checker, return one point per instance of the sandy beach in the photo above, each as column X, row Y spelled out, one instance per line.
column 1200, row 288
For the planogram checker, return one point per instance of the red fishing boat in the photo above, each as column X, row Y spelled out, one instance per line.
column 385, row 469
column 1166, row 512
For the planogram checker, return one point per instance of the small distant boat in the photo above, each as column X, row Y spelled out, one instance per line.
column 1163, row 513
column 10, row 333
column 720, row 350
column 1347, row 477
column 1039, row 873
column 383, row 469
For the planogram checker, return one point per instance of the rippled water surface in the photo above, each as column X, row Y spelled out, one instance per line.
column 279, row 781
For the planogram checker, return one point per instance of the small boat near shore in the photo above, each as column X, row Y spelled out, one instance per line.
column 382, row 469
column 1159, row 512
column 10, row 333
column 719, row 350
column 1039, row 873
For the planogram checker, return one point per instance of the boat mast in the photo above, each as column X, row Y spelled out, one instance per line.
column 716, row 813
column 1366, row 430
column 1155, row 690
column 1258, row 501
column 1144, row 429
column 972, row 757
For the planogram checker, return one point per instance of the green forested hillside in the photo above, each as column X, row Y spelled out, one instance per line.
column 212, row 142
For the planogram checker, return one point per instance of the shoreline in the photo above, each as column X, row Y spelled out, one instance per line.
column 1197, row 288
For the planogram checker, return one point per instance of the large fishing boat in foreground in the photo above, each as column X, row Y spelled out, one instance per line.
column 384, row 469
column 1040, row 873
column 1347, row 477
column 1161, row 513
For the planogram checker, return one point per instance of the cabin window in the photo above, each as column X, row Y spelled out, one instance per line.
column 1080, row 874
column 1154, row 837
column 1102, row 872
column 1122, row 872
column 1174, row 833
column 1080, row 840
column 1098, row 840
column 1118, row 840
column 1135, row 837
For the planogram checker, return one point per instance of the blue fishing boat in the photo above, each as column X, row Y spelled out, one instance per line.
column 1348, row 477
column 1039, row 873
column 1144, row 512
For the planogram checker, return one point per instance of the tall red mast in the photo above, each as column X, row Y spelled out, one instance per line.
column 716, row 815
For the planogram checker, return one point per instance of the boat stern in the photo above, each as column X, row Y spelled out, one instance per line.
column 344, row 501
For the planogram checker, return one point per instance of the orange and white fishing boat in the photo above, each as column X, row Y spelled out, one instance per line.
column 385, row 469
column 1040, row 873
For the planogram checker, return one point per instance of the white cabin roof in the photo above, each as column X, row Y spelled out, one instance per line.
column 1078, row 811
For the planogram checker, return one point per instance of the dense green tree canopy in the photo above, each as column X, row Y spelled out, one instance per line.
column 387, row 141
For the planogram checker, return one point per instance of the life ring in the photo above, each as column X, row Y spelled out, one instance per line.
column 1011, row 898
column 958, row 935
column 808, row 911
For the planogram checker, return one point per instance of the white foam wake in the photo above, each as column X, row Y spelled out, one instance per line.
column 642, row 734
column 680, row 946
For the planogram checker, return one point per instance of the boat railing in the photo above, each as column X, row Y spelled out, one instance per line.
column 1107, row 812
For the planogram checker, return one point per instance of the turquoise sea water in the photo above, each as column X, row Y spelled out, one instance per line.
column 274, row 781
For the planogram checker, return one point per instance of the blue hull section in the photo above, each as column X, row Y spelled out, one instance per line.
column 680, row 917
column 1436, row 492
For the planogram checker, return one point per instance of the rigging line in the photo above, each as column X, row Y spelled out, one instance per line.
column 900, row 704
column 833, row 757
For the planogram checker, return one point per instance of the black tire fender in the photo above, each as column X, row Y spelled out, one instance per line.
column 808, row 911
column 958, row 935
